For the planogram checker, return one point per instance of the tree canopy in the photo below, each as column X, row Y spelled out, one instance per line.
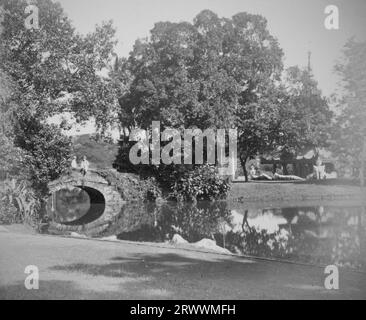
column 54, row 68
column 216, row 73
column 350, row 128
column 222, row 73
column 47, row 71
column 199, row 74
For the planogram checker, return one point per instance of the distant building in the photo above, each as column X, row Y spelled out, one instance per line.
column 303, row 164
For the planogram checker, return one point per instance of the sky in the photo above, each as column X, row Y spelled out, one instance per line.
column 297, row 24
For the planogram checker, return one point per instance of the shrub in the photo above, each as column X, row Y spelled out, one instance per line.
column 131, row 186
column 10, row 158
column 19, row 203
column 47, row 150
column 201, row 183
column 8, row 212
column 180, row 182
column 32, row 153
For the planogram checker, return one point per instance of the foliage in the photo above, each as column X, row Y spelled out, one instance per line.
column 122, row 161
column 306, row 119
column 201, row 183
column 10, row 158
column 19, row 203
column 54, row 68
column 288, row 119
column 223, row 73
column 258, row 126
column 44, row 72
column 10, row 155
column 9, row 212
column 159, row 222
column 180, row 182
column 197, row 74
column 194, row 221
column 184, row 182
column 350, row 127
column 214, row 73
column 258, row 242
column 131, row 186
column 47, row 150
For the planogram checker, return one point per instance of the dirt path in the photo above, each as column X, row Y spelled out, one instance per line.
column 84, row 269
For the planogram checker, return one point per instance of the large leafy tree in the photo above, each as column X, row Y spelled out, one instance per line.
column 212, row 73
column 289, row 118
column 198, row 74
column 176, row 82
column 55, row 68
column 261, row 125
column 350, row 128
column 52, row 70
column 305, row 118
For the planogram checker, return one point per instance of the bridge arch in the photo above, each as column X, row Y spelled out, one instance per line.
column 105, row 200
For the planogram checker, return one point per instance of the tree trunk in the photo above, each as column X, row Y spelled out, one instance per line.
column 362, row 176
column 362, row 166
column 243, row 163
column 274, row 168
column 361, row 231
column 245, row 221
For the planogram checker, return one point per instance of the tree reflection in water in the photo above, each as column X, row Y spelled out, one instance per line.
column 159, row 222
column 320, row 235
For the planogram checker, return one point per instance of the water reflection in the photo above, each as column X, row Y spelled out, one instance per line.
column 319, row 234
column 69, row 204
column 152, row 222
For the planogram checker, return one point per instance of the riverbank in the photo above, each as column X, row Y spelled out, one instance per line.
column 298, row 191
column 91, row 269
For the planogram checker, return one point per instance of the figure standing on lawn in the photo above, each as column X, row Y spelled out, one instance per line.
column 319, row 170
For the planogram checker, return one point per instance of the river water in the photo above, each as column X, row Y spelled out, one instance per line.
column 319, row 234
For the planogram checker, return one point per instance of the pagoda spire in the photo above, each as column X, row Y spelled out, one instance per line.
column 309, row 61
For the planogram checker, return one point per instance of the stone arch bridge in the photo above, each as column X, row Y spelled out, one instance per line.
column 105, row 203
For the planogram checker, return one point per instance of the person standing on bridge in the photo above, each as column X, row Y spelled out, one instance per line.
column 84, row 166
column 74, row 164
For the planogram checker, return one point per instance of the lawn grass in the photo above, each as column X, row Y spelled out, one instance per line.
column 272, row 191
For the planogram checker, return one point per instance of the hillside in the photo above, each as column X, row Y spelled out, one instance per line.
column 100, row 154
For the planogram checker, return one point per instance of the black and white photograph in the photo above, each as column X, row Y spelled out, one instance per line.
column 182, row 156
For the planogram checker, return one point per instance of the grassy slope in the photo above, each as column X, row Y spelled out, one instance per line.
column 100, row 154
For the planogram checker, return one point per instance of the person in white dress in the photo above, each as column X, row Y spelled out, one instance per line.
column 319, row 170
column 84, row 166
column 74, row 164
